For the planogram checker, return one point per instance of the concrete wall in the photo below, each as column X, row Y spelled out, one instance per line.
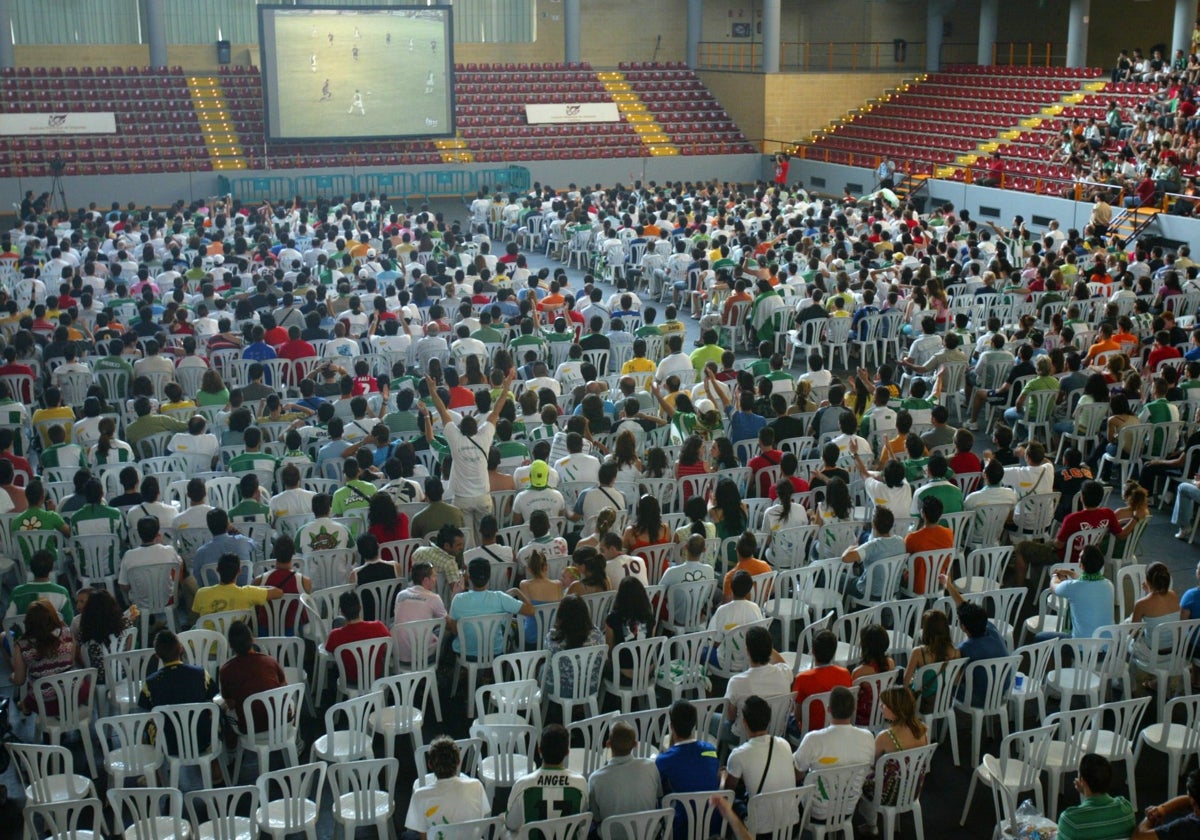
column 783, row 108
column 159, row 190
column 1034, row 208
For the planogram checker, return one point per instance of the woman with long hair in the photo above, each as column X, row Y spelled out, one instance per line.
column 691, row 459
column 100, row 621
column 696, row 511
column 632, row 617
column 572, row 630
column 540, row 589
column 873, row 646
column 647, row 527
column 1158, row 605
column 384, row 521
column 624, row 455
column 656, row 465
column 109, row 449
column 473, row 372
column 724, row 458
column 605, row 520
column 727, row 511
column 905, row 731
column 594, row 574
column 45, row 648
column 937, row 646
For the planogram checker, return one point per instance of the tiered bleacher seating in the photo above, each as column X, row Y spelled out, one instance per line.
column 490, row 113
column 157, row 129
column 687, row 111
column 932, row 122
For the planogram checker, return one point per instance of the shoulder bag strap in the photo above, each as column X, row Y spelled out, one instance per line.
column 766, row 767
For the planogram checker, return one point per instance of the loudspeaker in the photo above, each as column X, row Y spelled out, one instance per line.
column 223, row 52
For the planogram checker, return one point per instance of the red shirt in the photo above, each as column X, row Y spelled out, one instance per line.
column 966, row 462
column 1158, row 354
column 397, row 530
column 760, row 462
column 359, row 631
column 818, row 681
column 1086, row 520
column 799, row 485
column 365, row 385
column 461, row 397
column 293, row 350
column 276, row 336
column 20, row 465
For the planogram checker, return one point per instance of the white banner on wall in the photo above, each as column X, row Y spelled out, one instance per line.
column 83, row 122
column 572, row 112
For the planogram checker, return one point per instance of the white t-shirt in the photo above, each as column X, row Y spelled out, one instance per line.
column 295, row 502
column 579, row 467
column 468, row 476
column 527, row 501
column 762, row 680
column 735, row 614
column 835, row 744
column 447, row 802
column 623, row 566
column 749, row 761
column 896, row 499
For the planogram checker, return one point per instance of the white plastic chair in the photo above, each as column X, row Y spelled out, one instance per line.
column 423, row 641
column 698, row 812
column 280, row 732
column 639, row 825
column 774, row 814
column 125, row 673
column 731, row 651
column 207, row 649
column 477, row 637
column 584, row 665
column 1074, row 737
column 291, row 800
column 642, row 657
column 152, row 588
column 1180, row 638
column 688, row 605
column 401, row 708
column 1178, row 740
column 65, row 820
column 998, row 674
column 1017, row 769
column 219, row 819
column 913, row 766
column 1033, row 682
column 371, row 658
column 948, row 675
column 189, row 722
column 74, row 693
column 1116, row 741
column 1082, row 678
column 842, row 788
column 491, row 828
column 592, row 733
column 509, row 756
column 363, row 794
column 469, row 750
column 983, row 568
column 142, row 813
column 48, row 774
column 517, row 702
column 337, row 745
column 127, row 750
column 574, row 827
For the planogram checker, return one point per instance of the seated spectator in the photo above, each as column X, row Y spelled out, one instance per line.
column 452, row 798
column 822, row 677
column 355, row 629
column 45, row 648
column 228, row 594
column 246, row 673
column 1098, row 814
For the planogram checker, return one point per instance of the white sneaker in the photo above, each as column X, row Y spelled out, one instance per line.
column 1183, row 534
column 972, row 426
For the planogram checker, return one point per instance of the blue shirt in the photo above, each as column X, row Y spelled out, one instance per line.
column 1091, row 605
column 258, row 351
column 744, row 425
column 331, row 451
column 872, row 551
column 687, row 768
column 209, row 553
column 1191, row 602
column 988, row 646
column 473, row 603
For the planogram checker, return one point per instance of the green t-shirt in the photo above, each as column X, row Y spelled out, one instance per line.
column 248, row 509
column 354, row 496
column 63, row 455
column 37, row 519
column 708, row 353
column 248, row 461
column 27, row 593
column 96, row 519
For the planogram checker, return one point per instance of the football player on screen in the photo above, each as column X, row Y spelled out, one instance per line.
column 357, row 103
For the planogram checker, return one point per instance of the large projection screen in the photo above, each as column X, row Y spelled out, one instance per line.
column 356, row 72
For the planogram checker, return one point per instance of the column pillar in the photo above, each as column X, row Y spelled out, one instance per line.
column 156, row 32
column 695, row 16
column 1181, row 35
column 935, row 20
column 1077, row 32
column 7, row 58
column 770, row 35
column 571, row 30
column 989, row 16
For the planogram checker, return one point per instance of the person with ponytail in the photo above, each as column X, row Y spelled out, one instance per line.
column 109, row 449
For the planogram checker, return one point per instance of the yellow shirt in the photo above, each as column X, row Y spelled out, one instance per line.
column 639, row 365
column 228, row 596
column 62, row 413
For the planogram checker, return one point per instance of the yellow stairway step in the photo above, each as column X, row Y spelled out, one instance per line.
column 1095, row 87
column 610, row 76
column 620, row 87
column 1052, row 110
column 988, row 148
column 966, row 160
column 1032, row 122
column 1009, row 135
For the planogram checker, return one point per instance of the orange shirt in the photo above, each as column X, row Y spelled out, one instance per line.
column 551, row 302
column 1102, row 347
column 926, row 539
column 752, row 565
column 818, row 681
